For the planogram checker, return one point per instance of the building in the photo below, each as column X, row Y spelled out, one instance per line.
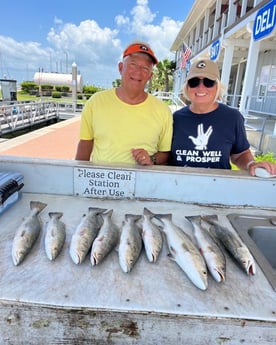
column 240, row 35
column 8, row 90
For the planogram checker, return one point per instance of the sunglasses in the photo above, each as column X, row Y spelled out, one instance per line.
column 194, row 82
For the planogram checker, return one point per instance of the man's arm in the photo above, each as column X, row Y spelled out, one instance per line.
column 143, row 158
column 84, row 150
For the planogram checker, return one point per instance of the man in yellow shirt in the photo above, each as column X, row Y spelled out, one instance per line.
column 126, row 124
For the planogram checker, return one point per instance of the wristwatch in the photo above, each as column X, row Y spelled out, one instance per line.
column 153, row 159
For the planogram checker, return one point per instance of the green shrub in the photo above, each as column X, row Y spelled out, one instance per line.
column 29, row 86
column 62, row 88
column 46, row 87
column 269, row 157
column 56, row 94
column 88, row 95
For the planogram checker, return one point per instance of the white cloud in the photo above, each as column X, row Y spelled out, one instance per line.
column 58, row 21
column 121, row 20
column 95, row 49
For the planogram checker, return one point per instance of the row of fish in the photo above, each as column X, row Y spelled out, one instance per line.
column 98, row 234
column 209, row 235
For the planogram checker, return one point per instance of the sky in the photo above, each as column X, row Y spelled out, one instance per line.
column 54, row 34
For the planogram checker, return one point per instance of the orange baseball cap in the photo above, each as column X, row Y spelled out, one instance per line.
column 140, row 48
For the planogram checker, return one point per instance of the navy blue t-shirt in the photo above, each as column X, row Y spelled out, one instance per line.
column 207, row 140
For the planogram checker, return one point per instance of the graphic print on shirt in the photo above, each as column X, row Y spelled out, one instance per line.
column 200, row 154
column 202, row 138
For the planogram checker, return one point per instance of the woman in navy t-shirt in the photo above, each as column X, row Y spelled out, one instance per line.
column 207, row 133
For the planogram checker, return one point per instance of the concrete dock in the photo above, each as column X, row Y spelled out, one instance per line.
column 58, row 141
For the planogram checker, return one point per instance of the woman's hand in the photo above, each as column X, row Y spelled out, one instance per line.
column 270, row 167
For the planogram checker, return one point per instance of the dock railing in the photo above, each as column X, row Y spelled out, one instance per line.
column 259, row 116
column 169, row 96
column 16, row 116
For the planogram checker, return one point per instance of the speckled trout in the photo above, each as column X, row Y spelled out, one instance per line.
column 130, row 244
column 184, row 252
column 234, row 244
column 209, row 248
column 55, row 235
column 85, row 234
column 151, row 236
column 27, row 233
column 106, row 240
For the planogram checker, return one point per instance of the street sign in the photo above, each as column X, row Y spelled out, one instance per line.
column 265, row 21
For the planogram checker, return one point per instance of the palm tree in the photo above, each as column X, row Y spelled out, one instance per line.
column 116, row 83
column 163, row 76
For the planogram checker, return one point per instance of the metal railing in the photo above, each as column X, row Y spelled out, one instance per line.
column 22, row 115
column 260, row 116
column 169, row 96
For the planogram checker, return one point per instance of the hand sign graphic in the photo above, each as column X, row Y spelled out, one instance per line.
column 202, row 138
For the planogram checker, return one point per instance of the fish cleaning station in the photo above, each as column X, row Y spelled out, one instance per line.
column 58, row 301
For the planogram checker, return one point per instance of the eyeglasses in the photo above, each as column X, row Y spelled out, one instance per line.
column 194, row 82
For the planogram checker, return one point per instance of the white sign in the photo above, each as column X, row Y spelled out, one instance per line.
column 271, row 88
column 103, row 183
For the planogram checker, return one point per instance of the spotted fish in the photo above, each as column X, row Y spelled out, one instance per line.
column 130, row 244
column 209, row 248
column 184, row 252
column 106, row 240
column 55, row 235
column 234, row 244
column 151, row 235
column 85, row 234
column 27, row 233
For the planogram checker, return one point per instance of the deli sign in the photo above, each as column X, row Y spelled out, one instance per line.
column 265, row 21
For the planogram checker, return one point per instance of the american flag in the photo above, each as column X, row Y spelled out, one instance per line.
column 186, row 54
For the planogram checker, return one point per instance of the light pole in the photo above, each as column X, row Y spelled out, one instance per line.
column 74, row 85
column 66, row 55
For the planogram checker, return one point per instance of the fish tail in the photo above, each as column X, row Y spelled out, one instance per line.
column 195, row 219
column 211, row 219
column 147, row 212
column 135, row 217
column 37, row 205
column 109, row 212
column 57, row 215
column 97, row 209
column 163, row 216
